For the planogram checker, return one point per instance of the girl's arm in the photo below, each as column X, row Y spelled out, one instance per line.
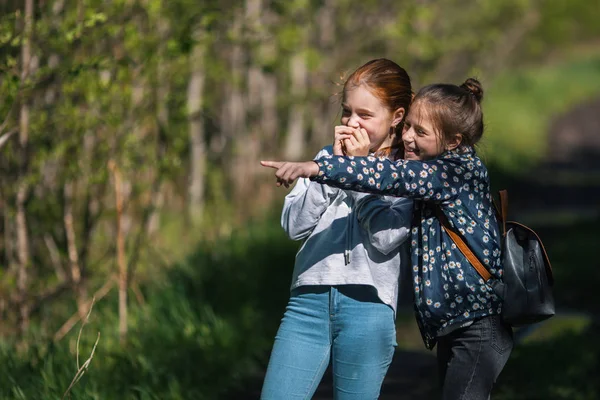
column 438, row 180
column 435, row 180
column 305, row 204
column 386, row 220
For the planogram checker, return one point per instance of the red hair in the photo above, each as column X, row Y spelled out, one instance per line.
column 390, row 83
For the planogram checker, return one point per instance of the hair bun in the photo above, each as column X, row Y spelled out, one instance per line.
column 473, row 86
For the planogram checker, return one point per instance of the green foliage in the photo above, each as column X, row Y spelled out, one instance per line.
column 561, row 368
column 94, row 95
column 207, row 324
column 522, row 104
column 572, row 290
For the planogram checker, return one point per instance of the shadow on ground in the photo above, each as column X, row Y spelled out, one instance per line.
column 409, row 377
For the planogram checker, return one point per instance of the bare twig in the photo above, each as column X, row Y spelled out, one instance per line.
column 122, row 263
column 83, row 368
column 55, row 257
column 9, row 114
column 4, row 138
column 75, row 268
column 67, row 326
column 138, row 293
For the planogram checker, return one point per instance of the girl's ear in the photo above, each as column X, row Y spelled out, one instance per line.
column 454, row 142
column 398, row 116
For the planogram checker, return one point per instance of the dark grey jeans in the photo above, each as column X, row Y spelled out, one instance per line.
column 470, row 359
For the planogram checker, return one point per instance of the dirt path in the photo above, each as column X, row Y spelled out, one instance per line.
column 409, row 377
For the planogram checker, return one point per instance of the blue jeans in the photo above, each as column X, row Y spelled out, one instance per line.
column 470, row 359
column 348, row 325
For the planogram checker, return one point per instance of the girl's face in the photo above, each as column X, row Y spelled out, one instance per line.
column 420, row 137
column 361, row 109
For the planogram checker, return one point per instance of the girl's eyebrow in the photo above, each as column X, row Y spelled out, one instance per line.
column 415, row 124
column 367, row 110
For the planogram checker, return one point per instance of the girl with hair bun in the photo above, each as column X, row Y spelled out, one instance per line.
column 441, row 172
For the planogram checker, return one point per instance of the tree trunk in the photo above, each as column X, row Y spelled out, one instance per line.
column 163, row 91
column 327, row 104
column 234, row 119
column 296, row 138
column 121, row 261
column 269, row 120
column 261, row 103
column 23, row 187
column 72, row 251
column 195, row 95
column 9, row 245
column 262, row 86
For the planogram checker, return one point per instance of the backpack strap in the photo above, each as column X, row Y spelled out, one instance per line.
column 462, row 246
column 503, row 209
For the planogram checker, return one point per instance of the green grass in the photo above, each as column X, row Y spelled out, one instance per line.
column 561, row 367
column 208, row 322
column 521, row 105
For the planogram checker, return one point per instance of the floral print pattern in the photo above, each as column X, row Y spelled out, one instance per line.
column 449, row 293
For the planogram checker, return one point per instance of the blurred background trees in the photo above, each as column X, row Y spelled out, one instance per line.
column 130, row 135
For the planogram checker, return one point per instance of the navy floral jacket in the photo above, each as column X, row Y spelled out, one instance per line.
column 449, row 293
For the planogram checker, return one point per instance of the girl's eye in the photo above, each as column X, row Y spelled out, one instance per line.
column 420, row 132
column 346, row 112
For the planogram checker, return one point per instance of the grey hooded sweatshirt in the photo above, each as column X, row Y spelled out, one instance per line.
column 350, row 238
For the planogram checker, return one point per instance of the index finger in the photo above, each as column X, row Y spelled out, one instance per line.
column 272, row 164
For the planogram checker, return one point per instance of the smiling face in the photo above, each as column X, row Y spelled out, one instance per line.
column 421, row 138
column 360, row 108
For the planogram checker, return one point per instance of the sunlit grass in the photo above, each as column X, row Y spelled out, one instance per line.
column 521, row 105
column 557, row 326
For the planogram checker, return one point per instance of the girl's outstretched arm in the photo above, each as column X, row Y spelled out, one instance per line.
column 288, row 172
column 438, row 180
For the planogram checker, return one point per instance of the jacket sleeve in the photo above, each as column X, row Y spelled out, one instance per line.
column 386, row 220
column 438, row 180
column 305, row 204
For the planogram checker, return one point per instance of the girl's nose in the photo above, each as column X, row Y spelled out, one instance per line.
column 353, row 123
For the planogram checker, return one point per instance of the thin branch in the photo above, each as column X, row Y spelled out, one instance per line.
column 4, row 138
column 55, row 257
column 121, row 261
column 68, row 325
column 81, row 370
column 9, row 114
column 138, row 293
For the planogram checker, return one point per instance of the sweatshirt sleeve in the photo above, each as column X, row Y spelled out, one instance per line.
column 436, row 180
column 305, row 204
column 386, row 220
